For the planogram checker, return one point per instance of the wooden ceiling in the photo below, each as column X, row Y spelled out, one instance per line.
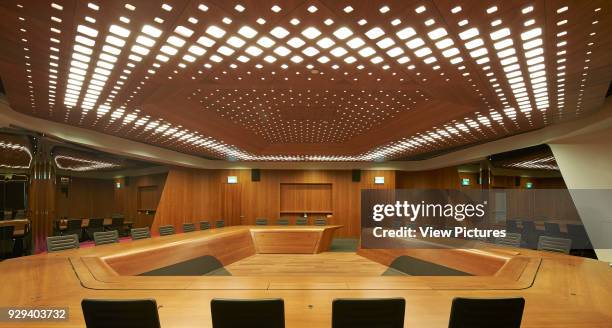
column 319, row 80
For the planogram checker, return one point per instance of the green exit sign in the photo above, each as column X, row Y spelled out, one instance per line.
column 465, row 181
column 529, row 185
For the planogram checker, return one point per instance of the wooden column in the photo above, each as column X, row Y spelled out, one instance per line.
column 41, row 200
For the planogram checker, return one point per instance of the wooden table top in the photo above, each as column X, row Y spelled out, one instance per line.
column 560, row 290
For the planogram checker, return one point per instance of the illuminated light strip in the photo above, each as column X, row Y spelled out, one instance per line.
column 536, row 66
column 78, row 67
column 16, row 147
column 92, row 164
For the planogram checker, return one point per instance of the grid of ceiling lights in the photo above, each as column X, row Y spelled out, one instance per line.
column 334, row 46
column 82, row 164
column 10, row 146
column 543, row 163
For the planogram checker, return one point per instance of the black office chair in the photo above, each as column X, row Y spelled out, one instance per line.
column 552, row 229
column 511, row 240
column 7, row 243
column 365, row 313
column 106, row 237
column 140, row 233
column 117, row 224
column 530, row 234
column 486, row 313
column 554, row 244
column 261, row 221
column 166, row 230
column 512, row 226
column 188, row 227
column 95, row 225
column 230, row 313
column 219, row 223
column 579, row 237
column 301, row 221
column 204, row 225
column 283, row 221
column 120, row 313
column 73, row 227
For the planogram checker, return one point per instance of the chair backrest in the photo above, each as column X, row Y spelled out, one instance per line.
column 117, row 222
column 552, row 229
column 140, row 233
column 512, row 226
column 166, row 230
column 60, row 243
column 20, row 214
column 6, row 232
column 120, row 313
column 301, row 221
column 283, row 221
column 95, row 223
column 364, row 313
column 511, row 240
column 106, row 237
column 188, row 227
column 74, row 224
column 219, row 223
column 580, row 239
column 554, row 244
column 229, row 313
column 528, row 227
column 485, row 313
column 320, row 221
column 261, row 221
column 204, row 225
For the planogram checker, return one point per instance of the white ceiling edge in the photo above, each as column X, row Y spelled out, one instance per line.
column 602, row 119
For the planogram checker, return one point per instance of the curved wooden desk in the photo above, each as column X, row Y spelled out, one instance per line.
column 560, row 290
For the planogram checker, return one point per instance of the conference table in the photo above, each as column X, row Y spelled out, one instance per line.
column 560, row 290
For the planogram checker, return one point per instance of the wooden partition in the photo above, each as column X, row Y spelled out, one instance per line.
column 85, row 198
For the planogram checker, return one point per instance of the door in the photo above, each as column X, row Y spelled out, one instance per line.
column 231, row 200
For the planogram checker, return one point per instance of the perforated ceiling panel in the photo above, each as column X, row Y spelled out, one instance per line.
column 307, row 80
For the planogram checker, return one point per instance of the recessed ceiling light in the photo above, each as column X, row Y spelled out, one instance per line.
column 343, row 33
column 474, row 43
column 415, row 43
column 205, row 41
column 437, row 33
column 348, row 9
column 384, row 9
column 282, row 51
column 375, row 33
column 531, row 33
column 450, row 52
column 151, row 31
column 456, row 9
column 527, row 9
column 325, row 43
column 235, row 42
column 350, row 59
column 247, row 32
column 203, row 7
column 310, row 51
column 297, row 59
column 311, row 32
column 338, row 52
column 355, row 43
column 260, row 21
column 87, row 31
column 396, row 22
column 216, row 58
column 253, row 51
column 176, row 41
column 294, row 21
column 491, row 10
column 296, row 42
column 216, row 31
column 312, row 9
column 239, row 8
column 395, row 52
column 243, row 59
column 166, row 7
column 270, row 59
column 226, row 20
column 227, row 51
column 422, row 52
column 444, row 43
column 182, row 30
column 323, row 59
column 279, row 32
column 328, row 21
column 168, row 50
column 198, row 51
column 469, row 33
column 376, row 60
column 385, row 43
column 276, row 8
column 265, row 42
column 406, row 33
column 120, row 31
column 420, row 9
column 366, row 52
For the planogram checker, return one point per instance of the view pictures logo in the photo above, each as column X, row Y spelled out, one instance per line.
column 413, row 211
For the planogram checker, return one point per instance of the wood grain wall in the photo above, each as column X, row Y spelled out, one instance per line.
column 196, row 195
column 85, row 198
column 445, row 178
column 139, row 193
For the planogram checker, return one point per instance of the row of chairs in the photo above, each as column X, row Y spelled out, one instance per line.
column 13, row 214
column 530, row 234
column 545, row 243
column 318, row 221
column 65, row 242
column 74, row 226
column 270, row 313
